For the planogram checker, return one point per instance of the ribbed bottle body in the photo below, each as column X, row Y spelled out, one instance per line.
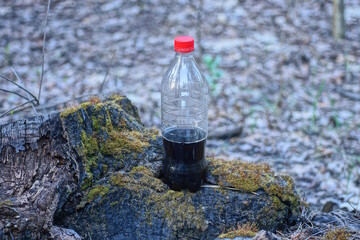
column 184, row 118
column 184, row 96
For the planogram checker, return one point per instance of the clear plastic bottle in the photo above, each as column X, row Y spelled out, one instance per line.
column 184, row 119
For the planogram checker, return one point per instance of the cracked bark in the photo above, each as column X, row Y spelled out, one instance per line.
column 57, row 173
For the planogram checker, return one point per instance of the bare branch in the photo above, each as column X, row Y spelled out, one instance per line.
column 51, row 106
column 338, row 19
column 107, row 72
column 8, row 91
column 43, row 50
column 226, row 132
column 22, row 82
column 22, row 88
column 350, row 95
column 14, row 108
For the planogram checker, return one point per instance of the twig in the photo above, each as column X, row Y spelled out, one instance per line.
column 11, row 235
column 22, row 82
column 43, row 50
column 198, row 27
column 226, row 132
column 46, row 107
column 107, row 72
column 349, row 95
column 50, row 106
column 198, row 9
column 14, row 108
column 8, row 91
column 22, row 88
column 223, row 187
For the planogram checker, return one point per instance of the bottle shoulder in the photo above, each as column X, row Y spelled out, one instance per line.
column 184, row 75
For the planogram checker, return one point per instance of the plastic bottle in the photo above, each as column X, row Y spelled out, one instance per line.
column 184, row 119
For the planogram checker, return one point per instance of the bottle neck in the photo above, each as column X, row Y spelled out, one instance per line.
column 184, row 55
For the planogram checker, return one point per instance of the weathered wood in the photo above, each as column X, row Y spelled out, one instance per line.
column 35, row 168
column 94, row 168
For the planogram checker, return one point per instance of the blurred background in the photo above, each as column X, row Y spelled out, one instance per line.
column 280, row 73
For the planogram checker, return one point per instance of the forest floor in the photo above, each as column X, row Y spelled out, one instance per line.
column 281, row 75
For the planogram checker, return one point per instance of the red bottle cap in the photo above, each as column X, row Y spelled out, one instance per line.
column 184, row 44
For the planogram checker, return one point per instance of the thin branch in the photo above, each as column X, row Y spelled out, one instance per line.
column 350, row 95
column 226, row 132
column 198, row 27
column 43, row 49
column 107, row 72
column 46, row 107
column 12, row 236
column 14, row 108
column 8, row 91
column 50, row 106
column 22, row 88
column 22, row 82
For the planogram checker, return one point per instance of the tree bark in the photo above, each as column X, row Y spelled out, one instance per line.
column 95, row 169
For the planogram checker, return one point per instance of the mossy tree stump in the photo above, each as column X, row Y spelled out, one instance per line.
column 94, row 168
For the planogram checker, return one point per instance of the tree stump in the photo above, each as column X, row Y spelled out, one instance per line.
column 95, row 169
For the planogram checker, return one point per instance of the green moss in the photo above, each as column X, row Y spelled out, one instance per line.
column 109, row 127
column 250, row 177
column 106, row 139
column 337, row 234
column 96, row 192
column 137, row 180
column 116, row 97
column 93, row 101
column 120, row 100
column 120, row 142
column 96, row 126
column 244, row 230
column 141, row 169
column 276, row 203
column 271, row 212
column 124, row 142
column 89, row 144
column 69, row 111
column 6, row 203
column 118, row 180
column 87, row 182
column 114, row 203
column 285, row 191
column 86, row 104
column 152, row 132
column 240, row 175
column 176, row 207
column 90, row 150
column 105, row 167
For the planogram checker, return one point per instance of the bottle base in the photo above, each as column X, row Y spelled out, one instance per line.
column 176, row 185
column 189, row 180
column 184, row 164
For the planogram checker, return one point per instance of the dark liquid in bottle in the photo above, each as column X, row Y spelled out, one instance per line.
column 185, row 165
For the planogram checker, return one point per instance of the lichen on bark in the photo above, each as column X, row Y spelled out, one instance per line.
column 106, row 183
column 112, row 136
column 251, row 177
column 107, row 129
column 176, row 208
column 242, row 230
